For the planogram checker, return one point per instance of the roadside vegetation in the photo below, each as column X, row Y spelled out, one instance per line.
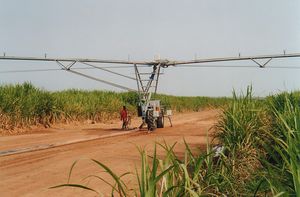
column 255, row 152
column 24, row 105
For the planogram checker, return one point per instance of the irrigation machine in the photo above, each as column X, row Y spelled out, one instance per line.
column 151, row 111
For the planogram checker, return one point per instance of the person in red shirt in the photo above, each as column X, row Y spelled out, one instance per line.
column 124, row 117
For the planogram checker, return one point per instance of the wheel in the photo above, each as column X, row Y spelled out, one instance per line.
column 150, row 121
column 160, row 122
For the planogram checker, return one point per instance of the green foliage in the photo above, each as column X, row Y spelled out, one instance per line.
column 25, row 105
column 283, row 162
column 263, row 144
column 261, row 140
column 261, row 156
column 242, row 121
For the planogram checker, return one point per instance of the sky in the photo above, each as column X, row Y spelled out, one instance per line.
column 144, row 30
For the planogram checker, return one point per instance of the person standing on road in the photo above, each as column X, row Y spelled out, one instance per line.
column 124, row 117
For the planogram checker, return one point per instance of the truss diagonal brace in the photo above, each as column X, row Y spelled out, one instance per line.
column 138, row 78
column 68, row 67
column 107, row 70
column 261, row 65
column 102, row 81
column 157, row 77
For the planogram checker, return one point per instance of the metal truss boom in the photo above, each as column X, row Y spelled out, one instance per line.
column 72, row 60
column 151, row 83
column 240, row 58
column 163, row 62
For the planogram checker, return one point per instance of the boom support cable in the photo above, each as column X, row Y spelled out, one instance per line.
column 68, row 68
column 101, row 80
column 107, row 70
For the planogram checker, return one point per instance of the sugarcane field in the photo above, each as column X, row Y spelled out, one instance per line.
column 149, row 98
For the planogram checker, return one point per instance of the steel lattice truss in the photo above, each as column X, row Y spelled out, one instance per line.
column 147, row 83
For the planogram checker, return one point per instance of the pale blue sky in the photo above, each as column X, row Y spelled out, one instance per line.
column 175, row 29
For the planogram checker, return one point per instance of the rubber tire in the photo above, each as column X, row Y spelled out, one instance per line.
column 150, row 121
column 160, row 122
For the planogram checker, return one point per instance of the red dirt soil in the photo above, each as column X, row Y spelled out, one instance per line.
column 32, row 173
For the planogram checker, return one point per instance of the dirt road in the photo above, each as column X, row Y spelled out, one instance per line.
column 32, row 173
